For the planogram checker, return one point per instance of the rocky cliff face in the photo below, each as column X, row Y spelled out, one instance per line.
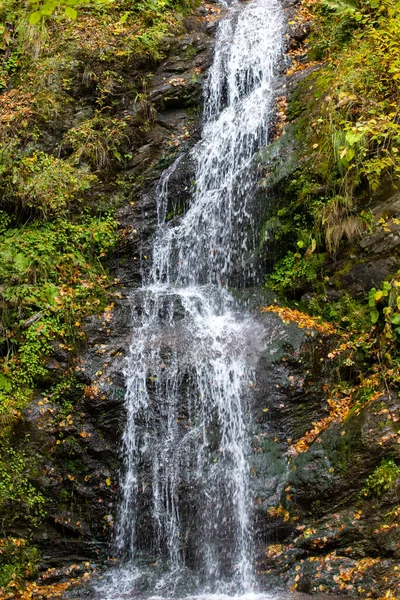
column 327, row 488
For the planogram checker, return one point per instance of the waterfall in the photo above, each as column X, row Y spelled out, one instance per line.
column 186, row 500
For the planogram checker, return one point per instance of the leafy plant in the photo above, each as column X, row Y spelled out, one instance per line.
column 53, row 277
column 19, row 498
column 49, row 185
column 41, row 9
column 382, row 479
column 294, row 271
column 18, row 560
column 98, row 141
column 386, row 302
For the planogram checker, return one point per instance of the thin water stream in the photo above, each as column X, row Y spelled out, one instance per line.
column 184, row 522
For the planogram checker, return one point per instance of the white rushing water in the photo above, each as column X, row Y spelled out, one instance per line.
column 185, row 488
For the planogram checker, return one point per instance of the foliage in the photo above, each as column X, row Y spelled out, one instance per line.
column 295, row 271
column 385, row 303
column 97, row 141
column 45, row 8
column 74, row 576
column 302, row 320
column 382, row 479
column 346, row 121
column 48, row 185
column 362, row 117
column 53, row 277
column 19, row 498
column 18, row 560
column 348, row 313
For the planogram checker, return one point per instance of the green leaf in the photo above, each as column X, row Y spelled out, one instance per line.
column 395, row 320
column 5, row 384
column 124, row 17
column 374, row 316
column 353, row 138
column 378, row 295
column 50, row 293
column 21, row 262
column 71, row 12
column 350, row 154
column 313, row 245
column 47, row 10
column 35, row 17
column 371, row 297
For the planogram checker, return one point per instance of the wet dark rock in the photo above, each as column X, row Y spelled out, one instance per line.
column 298, row 32
column 314, row 527
column 366, row 275
column 310, row 511
column 175, row 92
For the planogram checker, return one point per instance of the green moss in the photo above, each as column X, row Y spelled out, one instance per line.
column 190, row 52
column 341, row 449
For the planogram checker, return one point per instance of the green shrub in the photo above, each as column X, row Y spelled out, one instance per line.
column 52, row 277
column 18, row 560
column 382, row 479
column 294, row 271
column 98, row 141
column 49, row 186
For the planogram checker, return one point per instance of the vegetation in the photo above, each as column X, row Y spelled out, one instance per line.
column 52, row 277
column 382, row 479
column 345, row 120
column 17, row 560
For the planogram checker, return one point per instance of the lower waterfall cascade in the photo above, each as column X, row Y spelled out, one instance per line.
column 184, row 522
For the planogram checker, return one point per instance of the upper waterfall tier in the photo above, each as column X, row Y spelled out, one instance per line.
column 216, row 233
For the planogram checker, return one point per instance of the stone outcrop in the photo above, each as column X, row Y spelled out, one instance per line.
column 320, row 527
